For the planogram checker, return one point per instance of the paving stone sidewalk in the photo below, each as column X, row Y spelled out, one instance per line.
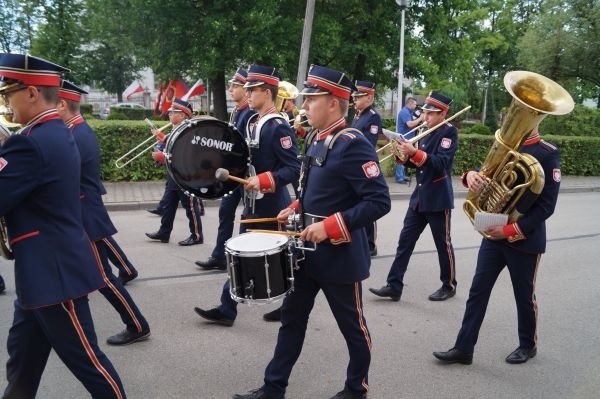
column 145, row 195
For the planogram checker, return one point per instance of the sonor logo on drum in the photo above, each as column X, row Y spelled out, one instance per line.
column 207, row 142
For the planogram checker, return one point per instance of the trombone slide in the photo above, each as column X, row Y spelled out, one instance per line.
column 121, row 163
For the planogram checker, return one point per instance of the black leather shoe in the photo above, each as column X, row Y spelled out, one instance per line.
column 374, row 252
column 348, row 394
column 521, row 355
column 191, row 240
column 442, row 294
column 127, row 337
column 125, row 278
column 275, row 315
column 386, row 292
column 2, row 286
column 215, row 316
column 255, row 394
column 156, row 212
column 454, row 356
column 156, row 236
column 212, row 263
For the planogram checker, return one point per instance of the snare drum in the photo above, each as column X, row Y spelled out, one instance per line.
column 260, row 267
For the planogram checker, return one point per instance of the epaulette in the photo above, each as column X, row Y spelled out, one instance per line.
column 548, row 146
column 372, row 111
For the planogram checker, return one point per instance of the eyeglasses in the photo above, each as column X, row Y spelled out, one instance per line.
column 6, row 93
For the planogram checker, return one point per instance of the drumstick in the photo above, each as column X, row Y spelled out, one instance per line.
column 286, row 233
column 260, row 220
column 223, row 174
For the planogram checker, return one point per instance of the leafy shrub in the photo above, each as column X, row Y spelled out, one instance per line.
column 475, row 128
column 136, row 114
column 86, row 108
column 583, row 121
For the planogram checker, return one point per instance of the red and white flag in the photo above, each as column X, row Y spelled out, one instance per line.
column 133, row 88
column 196, row 90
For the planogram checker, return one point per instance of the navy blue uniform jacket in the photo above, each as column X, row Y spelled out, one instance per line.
column 39, row 181
column 369, row 123
column 433, row 164
column 96, row 221
column 351, row 192
column 277, row 165
column 529, row 233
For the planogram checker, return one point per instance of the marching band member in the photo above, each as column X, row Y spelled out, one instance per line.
column 55, row 266
column 342, row 182
column 431, row 202
column 179, row 112
column 274, row 157
column 239, row 119
column 368, row 121
column 96, row 221
column 518, row 247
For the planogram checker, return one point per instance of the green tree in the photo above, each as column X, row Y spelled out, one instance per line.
column 109, row 56
column 61, row 36
column 18, row 20
column 562, row 43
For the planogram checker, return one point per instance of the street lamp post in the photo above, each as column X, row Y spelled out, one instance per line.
column 403, row 6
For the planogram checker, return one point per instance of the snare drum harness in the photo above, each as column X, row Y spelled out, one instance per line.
column 309, row 161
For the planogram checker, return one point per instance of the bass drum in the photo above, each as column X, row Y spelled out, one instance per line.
column 200, row 146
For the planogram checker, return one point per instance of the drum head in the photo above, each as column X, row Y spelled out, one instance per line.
column 200, row 146
column 253, row 243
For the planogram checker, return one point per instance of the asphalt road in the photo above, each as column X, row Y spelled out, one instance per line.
column 187, row 358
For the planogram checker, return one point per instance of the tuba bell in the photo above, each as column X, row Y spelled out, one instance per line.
column 286, row 91
column 515, row 180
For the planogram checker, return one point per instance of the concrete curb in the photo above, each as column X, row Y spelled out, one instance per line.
column 149, row 204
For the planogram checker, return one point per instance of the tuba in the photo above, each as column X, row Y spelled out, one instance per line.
column 515, row 180
column 286, row 91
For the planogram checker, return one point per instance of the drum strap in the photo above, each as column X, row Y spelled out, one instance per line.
column 254, row 134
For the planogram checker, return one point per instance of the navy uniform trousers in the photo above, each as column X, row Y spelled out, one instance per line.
column 227, row 210
column 118, row 258
column 522, row 267
column 345, row 302
column 58, row 327
column 117, row 295
column 174, row 195
column 414, row 224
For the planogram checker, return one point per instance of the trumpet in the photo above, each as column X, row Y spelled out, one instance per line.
column 121, row 163
column 426, row 132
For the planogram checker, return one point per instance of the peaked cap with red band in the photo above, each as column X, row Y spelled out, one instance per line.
column 260, row 75
column 322, row 80
column 28, row 70
column 69, row 91
column 240, row 77
column 437, row 102
column 363, row 88
column 182, row 106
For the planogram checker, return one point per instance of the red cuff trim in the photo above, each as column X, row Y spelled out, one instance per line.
column 267, row 182
column 160, row 136
column 159, row 157
column 336, row 229
column 419, row 158
column 295, row 206
column 513, row 233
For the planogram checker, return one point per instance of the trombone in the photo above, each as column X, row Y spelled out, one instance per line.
column 120, row 163
column 425, row 133
column 421, row 126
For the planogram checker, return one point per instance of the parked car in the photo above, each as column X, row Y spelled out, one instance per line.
column 104, row 112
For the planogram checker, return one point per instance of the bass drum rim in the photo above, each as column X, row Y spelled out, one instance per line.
column 206, row 160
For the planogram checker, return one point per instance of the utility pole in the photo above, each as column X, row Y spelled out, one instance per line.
column 305, row 46
column 403, row 6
